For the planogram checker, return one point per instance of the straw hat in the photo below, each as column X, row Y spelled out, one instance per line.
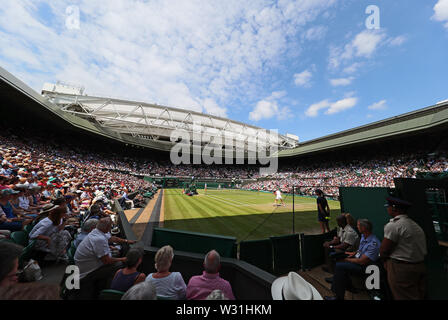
column 293, row 287
column 48, row 207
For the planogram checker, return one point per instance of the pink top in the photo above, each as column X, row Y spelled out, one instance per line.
column 199, row 287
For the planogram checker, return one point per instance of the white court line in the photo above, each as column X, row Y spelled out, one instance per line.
column 235, row 201
column 232, row 204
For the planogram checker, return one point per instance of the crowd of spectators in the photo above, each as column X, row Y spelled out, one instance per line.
column 329, row 175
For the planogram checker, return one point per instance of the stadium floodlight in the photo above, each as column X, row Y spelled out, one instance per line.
column 155, row 122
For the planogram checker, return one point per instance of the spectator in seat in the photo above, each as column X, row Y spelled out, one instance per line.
column 15, row 220
column 169, row 285
column 129, row 276
column 9, row 263
column 199, row 287
column 142, row 291
column 346, row 240
column 94, row 259
column 7, row 225
column 87, row 227
column 356, row 262
column 51, row 237
column 403, row 250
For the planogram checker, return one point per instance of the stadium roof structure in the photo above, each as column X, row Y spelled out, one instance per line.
column 28, row 103
column 413, row 122
column 157, row 123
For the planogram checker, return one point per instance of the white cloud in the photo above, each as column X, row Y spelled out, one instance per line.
column 366, row 42
column 362, row 46
column 342, row 105
column 380, row 105
column 313, row 110
column 441, row 12
column 211, row 107
column 269, row 108
column 303, row 78
column 397, row 41
column 332, row 107
column 341, row 81
column 353, row 67
column 315, row 33
column 176, row 53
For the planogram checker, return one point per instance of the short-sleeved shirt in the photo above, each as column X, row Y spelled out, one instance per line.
column 348, row 235
column 45, row 227
column 370, row 247
column 199, row 287
column 90, row 251
column 409, row 238
column 173, row 286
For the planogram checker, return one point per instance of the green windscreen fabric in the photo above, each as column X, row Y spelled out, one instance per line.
column 194, row 242
column 286, row 253
column 313, row 253
column 366, row 203
column 258, row 253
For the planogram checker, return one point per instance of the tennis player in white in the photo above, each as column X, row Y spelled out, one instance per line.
column 278, row 197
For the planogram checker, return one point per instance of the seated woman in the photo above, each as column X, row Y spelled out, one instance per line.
column 51, row 237
column 168, row 284
column 125, row 278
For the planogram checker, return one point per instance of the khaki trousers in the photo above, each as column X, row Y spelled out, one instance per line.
column 406, row 281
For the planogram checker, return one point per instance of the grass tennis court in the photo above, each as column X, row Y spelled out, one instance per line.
column 245, row 215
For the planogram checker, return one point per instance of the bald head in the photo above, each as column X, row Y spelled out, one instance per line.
column 104, row 224
column 212, row 262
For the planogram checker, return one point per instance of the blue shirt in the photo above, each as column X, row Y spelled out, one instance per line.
column 8, row 210
column 370, row 247
column 79, row 239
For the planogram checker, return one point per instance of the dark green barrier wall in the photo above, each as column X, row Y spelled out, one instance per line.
column 313, row 254
column 366, row 203
column 258, row 253
column 194, row 242
column 286, row 253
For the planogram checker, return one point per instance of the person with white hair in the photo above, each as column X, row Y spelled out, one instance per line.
column 170, row 285
column 142, row 291
column 87, row 227
column 200, row 287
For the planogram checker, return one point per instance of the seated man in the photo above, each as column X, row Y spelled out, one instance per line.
column 15, row 221
column 94, row 259
column 355, row 263
column 52, row 239
column 87, row 227
column 199, row 287
column 346, row 240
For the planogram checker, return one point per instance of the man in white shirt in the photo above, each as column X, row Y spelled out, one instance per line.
column 95, row 262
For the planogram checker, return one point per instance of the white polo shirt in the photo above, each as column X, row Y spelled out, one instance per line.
column 44, row 227
column 89, row 252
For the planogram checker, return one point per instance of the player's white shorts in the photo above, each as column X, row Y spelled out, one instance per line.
column 278, row 198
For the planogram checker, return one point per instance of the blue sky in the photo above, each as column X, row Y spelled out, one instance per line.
column 308, row 67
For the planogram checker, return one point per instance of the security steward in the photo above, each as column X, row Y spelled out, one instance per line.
column 403, row 250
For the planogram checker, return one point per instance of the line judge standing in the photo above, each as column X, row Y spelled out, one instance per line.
column 404, row 248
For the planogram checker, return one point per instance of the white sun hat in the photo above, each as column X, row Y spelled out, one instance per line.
column 293, row 287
